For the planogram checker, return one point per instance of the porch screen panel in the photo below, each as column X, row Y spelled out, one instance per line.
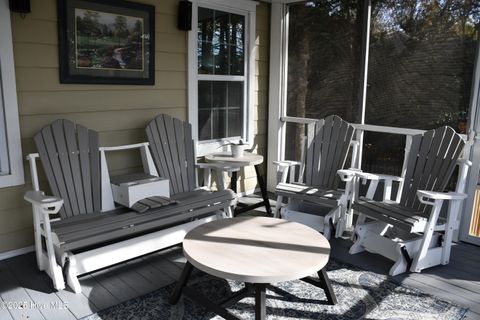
column 221, row 74
column 420, row 69
column 324, row 63
column 294, row 149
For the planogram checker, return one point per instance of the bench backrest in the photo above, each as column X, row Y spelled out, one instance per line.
column 71, row 161
column 328, row 152
column 173, row 152
column 430, row 163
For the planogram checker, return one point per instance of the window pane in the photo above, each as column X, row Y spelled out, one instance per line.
column 204, row 109
column 205, row 40
column 420, row 71
column 220, row 113
column 220, row 42
column 218, row 124
column 237, row 41
column 235, row 108
column 324, row 51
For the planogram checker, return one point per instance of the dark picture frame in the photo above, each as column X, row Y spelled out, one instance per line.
column 106, row 42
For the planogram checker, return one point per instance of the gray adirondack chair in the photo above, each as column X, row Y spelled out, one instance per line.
column 315, row 198
column 173, row 151
column 409, row 230
column 88, row 237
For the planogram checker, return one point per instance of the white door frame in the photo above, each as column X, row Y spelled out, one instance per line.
column 473, row 176
column 277, row 94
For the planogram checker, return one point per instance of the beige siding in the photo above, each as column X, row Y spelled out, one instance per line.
column 119, row 113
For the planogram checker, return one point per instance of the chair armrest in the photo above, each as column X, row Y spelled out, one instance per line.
column 286, row 163
column 283, row 169
column 423, row 195
column 465, row 162
column 348, row 174
column 375, row 176
column 48, row 204
column 374, row 181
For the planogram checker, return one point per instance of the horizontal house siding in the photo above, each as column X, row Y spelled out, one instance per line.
column 119, row 113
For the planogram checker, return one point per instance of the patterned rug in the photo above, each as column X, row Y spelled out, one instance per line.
column 361, row 295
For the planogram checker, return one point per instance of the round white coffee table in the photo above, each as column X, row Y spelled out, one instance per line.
column 257, row 251
column 248, row 159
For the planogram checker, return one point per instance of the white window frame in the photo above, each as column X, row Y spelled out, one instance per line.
column 11, row 162
column 246, row 8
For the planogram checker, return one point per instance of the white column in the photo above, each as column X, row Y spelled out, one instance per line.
column 277, row 90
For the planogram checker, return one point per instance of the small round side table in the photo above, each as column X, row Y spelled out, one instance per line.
column 248, row 159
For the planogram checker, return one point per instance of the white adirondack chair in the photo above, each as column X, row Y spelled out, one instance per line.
column 410, row 229
column 315, row 199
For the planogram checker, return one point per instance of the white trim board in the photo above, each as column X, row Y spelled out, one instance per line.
column 8, row 95
column 17, row 252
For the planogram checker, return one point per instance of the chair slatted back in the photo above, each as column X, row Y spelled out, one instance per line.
column 172, row 149
column 328, row 152
column 71, row 161
column 430, row 164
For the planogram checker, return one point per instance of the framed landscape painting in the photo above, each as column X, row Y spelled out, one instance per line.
column 106, row 41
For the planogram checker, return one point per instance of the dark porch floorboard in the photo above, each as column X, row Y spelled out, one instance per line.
column 20, row 281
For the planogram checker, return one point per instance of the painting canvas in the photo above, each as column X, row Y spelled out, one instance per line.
column 106, row 42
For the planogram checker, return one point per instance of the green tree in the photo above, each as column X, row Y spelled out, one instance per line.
column 121, row 30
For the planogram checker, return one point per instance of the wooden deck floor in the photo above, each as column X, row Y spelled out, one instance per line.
column 30, row 295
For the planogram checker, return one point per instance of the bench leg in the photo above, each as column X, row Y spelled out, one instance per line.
column 71, row 273
column 278, row 206
column 48, row 258
column 229, row 212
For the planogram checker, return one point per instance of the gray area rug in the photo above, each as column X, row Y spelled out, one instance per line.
column 361, row 295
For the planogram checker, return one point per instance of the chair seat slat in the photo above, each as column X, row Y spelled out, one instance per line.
column 106, row 226
column 103, row 220
column 387, row 213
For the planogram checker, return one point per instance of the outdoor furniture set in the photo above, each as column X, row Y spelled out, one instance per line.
column 412, row 228
column 161, row 205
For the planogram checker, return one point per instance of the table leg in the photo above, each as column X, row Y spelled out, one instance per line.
column 263, row 189
column 233, row 181
column 327, row 286
column 260, row 301
column 187, row 271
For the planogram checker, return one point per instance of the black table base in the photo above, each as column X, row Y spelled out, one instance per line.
column 258, row 290
column 263, row 189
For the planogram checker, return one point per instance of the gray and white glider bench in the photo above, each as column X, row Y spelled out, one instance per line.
column 415, row 228
column 90, row 233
